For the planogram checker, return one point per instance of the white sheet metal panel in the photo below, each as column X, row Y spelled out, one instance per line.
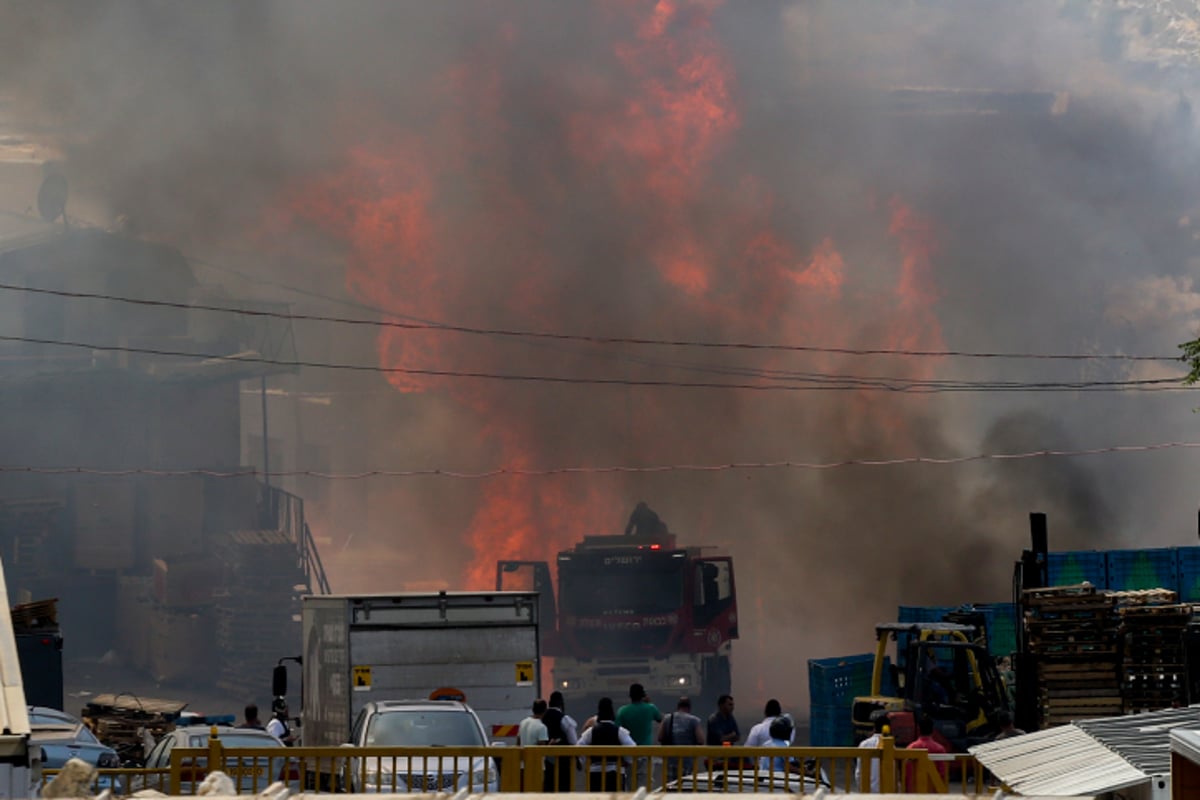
column 14, row 715
column 1144, row 740
column 1059, row 761
column 1186, row 742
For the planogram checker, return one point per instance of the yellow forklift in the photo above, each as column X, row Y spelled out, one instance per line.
column 942, row 669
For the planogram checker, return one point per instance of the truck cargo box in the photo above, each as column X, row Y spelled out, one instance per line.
column 364, row 648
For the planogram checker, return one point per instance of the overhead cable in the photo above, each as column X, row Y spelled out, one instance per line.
column 527, row 334
column 815, row 383
column 520, row 472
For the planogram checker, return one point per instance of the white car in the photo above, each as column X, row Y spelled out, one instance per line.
column 421, row 723
column 250, row 775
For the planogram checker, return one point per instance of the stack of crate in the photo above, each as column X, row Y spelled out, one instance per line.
column 257, row 610
column 1072, row 632
column 1151, row 635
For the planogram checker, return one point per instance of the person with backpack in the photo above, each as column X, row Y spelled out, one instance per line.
column 603, row 771
column 681, row 728
column 557, row 775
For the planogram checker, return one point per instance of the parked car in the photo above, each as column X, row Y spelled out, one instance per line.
column 250, row 775
column 421, row 723
column 63, row 737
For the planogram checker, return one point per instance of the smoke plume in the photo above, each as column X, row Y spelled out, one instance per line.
column 925, row 176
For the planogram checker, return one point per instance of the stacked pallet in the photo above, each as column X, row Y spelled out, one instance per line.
column 1072, row 632
column 126, row 722
column 1151, row 636
column 257, row 609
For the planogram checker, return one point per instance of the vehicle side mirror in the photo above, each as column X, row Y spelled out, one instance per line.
column 279, row 681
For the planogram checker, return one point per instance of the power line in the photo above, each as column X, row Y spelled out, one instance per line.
column 615, row 469
column 569, row 337
column 815, row 382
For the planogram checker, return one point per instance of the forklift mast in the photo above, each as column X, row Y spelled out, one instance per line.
column 1031, row 572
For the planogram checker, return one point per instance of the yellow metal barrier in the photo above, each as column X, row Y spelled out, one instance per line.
column 566, row 768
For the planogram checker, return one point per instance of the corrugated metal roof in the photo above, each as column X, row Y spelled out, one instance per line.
column 1058, row 761
column 1144, row 740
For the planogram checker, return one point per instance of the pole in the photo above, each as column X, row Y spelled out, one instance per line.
column 266, row 447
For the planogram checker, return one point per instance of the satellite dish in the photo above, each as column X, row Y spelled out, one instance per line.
column 52, row 197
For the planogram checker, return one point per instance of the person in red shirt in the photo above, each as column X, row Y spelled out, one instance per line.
column 925, row 742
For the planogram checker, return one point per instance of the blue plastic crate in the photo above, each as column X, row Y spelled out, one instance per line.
column 1076, row 566
column 831, row 726
column 1188, row 559
column 836, row 681
column 924, row 613
column 1002, row 628
column 1156, row 568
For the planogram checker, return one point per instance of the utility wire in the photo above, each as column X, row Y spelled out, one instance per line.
column 537, row 473
column 825, row 383
column 523, row 334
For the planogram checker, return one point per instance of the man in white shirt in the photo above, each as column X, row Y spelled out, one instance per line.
column 278, row 726
column 874, row 742
column 533, row 730
column 760, row 734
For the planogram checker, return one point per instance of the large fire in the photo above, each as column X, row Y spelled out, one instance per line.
column 607, row 198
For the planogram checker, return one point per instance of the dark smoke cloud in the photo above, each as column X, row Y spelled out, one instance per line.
column 1058, row 230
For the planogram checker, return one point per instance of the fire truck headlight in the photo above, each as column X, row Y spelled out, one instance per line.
column 565, row 684
column 682, row 680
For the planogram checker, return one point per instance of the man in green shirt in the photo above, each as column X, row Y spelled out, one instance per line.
column 640, row 717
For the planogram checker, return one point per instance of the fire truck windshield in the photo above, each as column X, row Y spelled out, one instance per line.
column 599, row 586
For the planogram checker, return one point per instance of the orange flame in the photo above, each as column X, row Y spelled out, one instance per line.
column 439, row 225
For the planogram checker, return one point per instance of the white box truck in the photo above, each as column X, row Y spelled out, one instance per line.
column 480, row 647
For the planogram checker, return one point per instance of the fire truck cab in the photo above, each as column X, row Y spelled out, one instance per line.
column 634, row 609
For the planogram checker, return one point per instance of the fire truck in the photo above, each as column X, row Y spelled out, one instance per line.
column 634, row 609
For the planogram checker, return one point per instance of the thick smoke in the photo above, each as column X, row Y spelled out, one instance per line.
column 689, row 171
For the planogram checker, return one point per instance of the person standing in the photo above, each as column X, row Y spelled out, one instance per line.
column 925, row 742
column 604, row 771
column 722, row 727
column 874, row 741
column 278, row 726
column 532, row 730
column 760, row 734
column 639, row 716
column 560, row 729
column 683, row 729
column 252, row 720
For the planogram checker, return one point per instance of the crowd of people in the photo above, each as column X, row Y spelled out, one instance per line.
column 640, row 723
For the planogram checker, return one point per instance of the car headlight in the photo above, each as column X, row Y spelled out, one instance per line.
column 108, row 761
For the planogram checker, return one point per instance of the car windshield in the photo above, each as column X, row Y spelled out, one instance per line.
column 423, row 729
column 237, row 740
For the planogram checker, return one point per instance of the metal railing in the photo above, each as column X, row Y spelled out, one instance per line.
column 674, row 769
column 284, row 511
